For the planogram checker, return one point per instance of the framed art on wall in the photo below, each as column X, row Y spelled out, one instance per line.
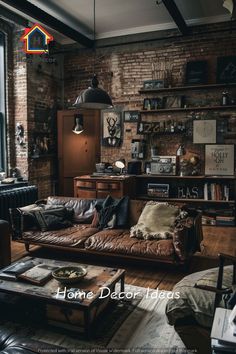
column 204, row 131
column 219, row 160
column 226, row 70
column 111, row 128
column 196, row 72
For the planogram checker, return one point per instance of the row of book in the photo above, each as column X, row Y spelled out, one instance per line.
column 215, row 191
column 221, row 217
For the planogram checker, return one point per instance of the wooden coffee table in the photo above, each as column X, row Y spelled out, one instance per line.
column 78, row 314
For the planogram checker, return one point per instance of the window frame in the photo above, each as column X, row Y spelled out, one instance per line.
column 3, row 145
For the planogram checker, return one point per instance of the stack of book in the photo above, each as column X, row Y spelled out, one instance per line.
column 215, row 191
column 28, row 271
column 223, row 333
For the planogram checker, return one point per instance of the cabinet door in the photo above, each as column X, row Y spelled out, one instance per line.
column 77, row 154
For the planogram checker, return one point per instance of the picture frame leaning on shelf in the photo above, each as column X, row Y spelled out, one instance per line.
column 219, row 160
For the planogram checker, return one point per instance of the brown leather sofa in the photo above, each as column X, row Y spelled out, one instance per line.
column 5, row 244
column 86, row 239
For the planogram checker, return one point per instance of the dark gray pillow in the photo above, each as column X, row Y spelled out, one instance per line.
column 113, row 213
column 54, row 219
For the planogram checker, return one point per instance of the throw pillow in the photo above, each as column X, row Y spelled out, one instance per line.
column 26, row 218
column 156, row 221
column 54, row 219
column 112, row 213
column 19, row 223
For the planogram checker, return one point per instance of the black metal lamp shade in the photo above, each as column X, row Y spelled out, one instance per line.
column 79, row 124
column 94, row 97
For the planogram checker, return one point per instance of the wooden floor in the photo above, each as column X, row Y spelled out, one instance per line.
column 216, row 240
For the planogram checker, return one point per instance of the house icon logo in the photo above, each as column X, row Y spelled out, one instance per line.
column 36, row 40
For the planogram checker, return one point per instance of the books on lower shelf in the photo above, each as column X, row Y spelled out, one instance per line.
column 215, row 191
column 219, row 217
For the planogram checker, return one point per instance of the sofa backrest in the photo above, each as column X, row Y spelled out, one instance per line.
column 83, row 208
column 135, row 209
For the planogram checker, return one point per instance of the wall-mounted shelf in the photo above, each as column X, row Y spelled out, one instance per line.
column 45, row 156
column 187, row 109
column 185, row 88
column 184, row 200
column 186, row 177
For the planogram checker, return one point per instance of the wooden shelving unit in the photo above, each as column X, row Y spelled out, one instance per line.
column 186, row 88
column 183, row 185
column 188, row 109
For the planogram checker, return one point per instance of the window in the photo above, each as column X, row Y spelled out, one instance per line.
column 2, row 105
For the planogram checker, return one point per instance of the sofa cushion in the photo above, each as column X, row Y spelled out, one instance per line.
column 83, row 208
column 119, row 241
column 74, row 236
column 156, row 221
column 194, row 302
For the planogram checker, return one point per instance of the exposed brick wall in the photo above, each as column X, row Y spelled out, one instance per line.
column 44, row 82
column 132, row 64
column 28, row 84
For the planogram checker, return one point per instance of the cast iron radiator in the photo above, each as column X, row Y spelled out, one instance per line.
column 16, row 197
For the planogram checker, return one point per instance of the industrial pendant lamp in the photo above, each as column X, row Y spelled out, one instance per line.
column 94, row 97
column 79, row 124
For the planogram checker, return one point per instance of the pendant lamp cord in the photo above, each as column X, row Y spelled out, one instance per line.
column 94, row 35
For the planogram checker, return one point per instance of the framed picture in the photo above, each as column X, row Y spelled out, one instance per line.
column 204, row 131
column 131, row 116
column 111, row 128
column 226, row 70
column 219, row 160
column 153, row 84
column 174, row 101
column 196, row 72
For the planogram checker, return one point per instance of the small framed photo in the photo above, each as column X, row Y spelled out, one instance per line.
column 226, row 70
column 219, row 160
column 196, row 72
column 153, row 84
column 174, row 101
column 204, row 131
column 131, row 116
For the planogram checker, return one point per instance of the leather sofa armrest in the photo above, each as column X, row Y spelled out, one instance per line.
column 5, row 244
column 188, row 236
column 19, row 344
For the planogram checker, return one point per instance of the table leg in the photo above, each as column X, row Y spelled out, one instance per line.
column 122, row 283
column 87, row 325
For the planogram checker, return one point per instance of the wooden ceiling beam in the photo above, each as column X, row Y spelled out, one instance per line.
column 174, row 12
column 33, row 11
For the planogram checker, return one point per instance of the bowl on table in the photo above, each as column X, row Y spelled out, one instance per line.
column 70, row 274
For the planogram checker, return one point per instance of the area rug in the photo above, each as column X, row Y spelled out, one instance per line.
column 133, row 325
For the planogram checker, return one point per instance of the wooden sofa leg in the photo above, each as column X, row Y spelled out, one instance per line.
column 27, row 247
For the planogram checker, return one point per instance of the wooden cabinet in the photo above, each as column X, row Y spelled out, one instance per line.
column 77, row 154
column 101, row 187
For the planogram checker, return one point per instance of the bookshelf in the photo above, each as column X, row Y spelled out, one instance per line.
column 214, row 195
